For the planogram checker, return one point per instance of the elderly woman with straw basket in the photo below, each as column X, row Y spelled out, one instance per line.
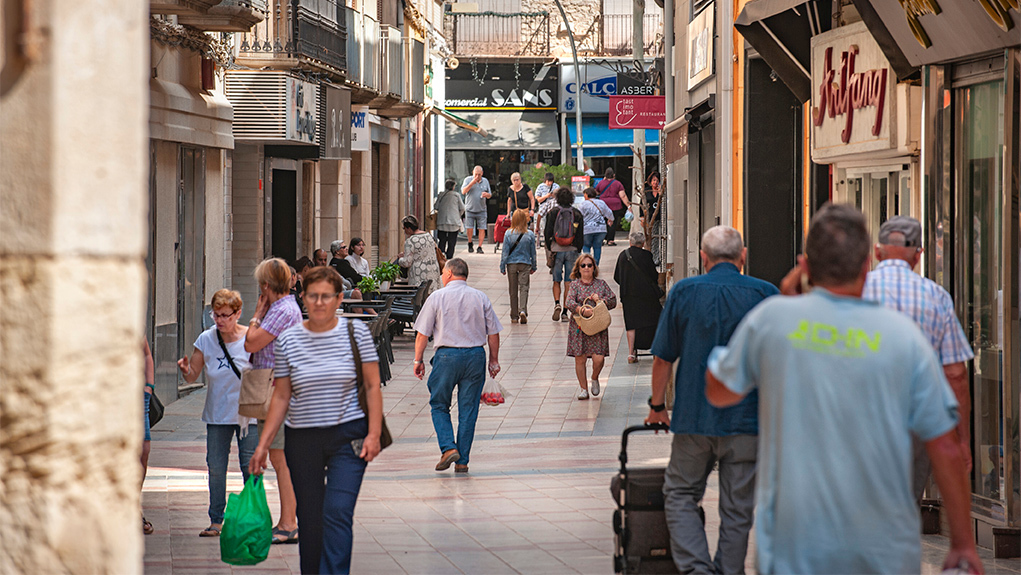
column 589, row 300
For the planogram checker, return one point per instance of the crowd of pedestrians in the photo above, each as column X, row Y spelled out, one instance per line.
column 824, row 406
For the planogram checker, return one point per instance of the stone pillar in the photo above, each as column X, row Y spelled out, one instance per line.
column 73, row 117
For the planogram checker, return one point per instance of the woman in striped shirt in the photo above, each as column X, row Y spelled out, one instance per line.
column 329, row 439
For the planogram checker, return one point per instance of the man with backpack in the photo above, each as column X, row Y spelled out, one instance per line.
column 564, row 234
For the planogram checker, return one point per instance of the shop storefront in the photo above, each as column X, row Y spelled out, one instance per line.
column 971, row 174
column 865, row 125
column 515, row 104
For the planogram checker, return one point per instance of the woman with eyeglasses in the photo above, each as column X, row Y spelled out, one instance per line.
column 220, row 350
column 581, row 346
column 329, row 438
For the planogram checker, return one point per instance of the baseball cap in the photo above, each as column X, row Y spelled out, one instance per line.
column 909, row 228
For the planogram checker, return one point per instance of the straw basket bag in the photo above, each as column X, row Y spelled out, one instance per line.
column 598, row 322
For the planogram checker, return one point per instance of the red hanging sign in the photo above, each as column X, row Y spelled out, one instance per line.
column 637, row 112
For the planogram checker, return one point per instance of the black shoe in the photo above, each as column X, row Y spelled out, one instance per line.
column 479, row 251
column 471, row 248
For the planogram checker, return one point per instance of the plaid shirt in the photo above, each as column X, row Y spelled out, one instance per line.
column 281, row 315
column 895, row 285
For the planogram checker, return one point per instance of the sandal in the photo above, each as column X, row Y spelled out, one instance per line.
column 632, row 358
column 146, row 526
column 284, row 537
column 212, row 531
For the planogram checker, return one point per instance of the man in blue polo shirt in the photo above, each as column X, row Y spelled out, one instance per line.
column 702, row 312
column 843, row 385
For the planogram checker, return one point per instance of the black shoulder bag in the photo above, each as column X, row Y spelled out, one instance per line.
column 659, row 290
column 230, row 359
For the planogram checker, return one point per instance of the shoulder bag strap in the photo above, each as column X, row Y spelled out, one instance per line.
column 627, row 254
column 230, row 359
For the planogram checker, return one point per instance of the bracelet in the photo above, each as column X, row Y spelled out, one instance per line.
column 418, row 361
column 255, row 322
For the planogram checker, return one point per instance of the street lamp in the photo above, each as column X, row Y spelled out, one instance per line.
column 577, row 79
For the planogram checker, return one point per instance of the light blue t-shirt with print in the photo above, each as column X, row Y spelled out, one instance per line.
column 843, row 384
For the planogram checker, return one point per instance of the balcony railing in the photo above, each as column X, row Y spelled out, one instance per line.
column 391, row 69
column 616, row 31
column 499, row 34
column 312, row 31
column 416, row 70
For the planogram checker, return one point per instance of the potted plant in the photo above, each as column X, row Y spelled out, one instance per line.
column 368, row 286
column 385, row 273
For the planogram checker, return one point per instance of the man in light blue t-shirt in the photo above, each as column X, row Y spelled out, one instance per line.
column 843, row 384
column 476, row 191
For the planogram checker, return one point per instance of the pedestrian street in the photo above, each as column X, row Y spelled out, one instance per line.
column 536, row 498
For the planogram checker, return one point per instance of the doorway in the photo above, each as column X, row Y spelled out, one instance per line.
column 283, row 209
column 191, row 252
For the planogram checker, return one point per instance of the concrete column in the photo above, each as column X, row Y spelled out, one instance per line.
column 73, row 122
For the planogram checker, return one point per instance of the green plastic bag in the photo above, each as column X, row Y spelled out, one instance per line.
column 247, row 525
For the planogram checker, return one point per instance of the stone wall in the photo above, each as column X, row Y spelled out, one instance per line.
column 73, row 116
column 580, row 14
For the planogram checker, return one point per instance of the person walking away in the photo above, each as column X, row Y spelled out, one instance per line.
column 148, row 389
column 356, row 257
column 275, row 312
column 519, row 196
column 476, row 191
column 518, row 260
column 612, row 192
column 894, row 284
column 461, row 321
column 580, row 345
column 639, row 294
column 419, row 255
column 449, row 211
column 702, row 312
column 843, row 384
column 597, row 216
column 565, row 235
column 329, row 438
column 653, row 219
column 220, row 350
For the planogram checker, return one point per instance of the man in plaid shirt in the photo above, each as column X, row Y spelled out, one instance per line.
column 895, row 285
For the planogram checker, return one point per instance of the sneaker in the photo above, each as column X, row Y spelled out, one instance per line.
column 595, row 388
column 479, row 251
column 471, row 248
column 583, row 394
column 449, row 456
column 522, row 318
column 556, row 312
column 565, row 317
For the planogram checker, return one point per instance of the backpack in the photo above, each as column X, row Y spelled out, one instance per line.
column 563, row 226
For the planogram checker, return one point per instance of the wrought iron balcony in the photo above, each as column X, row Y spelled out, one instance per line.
column 498, row 33
column 299, row 32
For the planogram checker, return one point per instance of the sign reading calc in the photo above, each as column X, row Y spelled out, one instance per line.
column 637, row 112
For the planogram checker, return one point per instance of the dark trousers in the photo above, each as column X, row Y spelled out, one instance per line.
column 465, row 369
column 327, row 475
column 518, row 279
column 618, row 215
column 447, row 241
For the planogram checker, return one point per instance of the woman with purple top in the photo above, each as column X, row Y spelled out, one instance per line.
column 276, row 311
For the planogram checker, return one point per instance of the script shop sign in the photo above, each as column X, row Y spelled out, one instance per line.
column 637, row 112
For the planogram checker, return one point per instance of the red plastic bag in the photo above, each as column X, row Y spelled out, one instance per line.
column 493, row 393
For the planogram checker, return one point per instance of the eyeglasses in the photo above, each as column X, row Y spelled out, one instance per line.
column 586, row 265
column 320, row 297
column 217, row 316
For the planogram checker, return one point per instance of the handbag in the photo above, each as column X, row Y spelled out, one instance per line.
column 441, row 259
column 598, row 322
column 385, row 439
column 156, row 408
column 256, row 393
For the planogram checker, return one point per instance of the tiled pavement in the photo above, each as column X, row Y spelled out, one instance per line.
column 535, row 501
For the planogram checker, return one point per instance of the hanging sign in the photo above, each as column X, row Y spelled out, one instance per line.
column 361, row 139
column 302, row 110
column 336, row 144
column 637, row 112
column 700, row 48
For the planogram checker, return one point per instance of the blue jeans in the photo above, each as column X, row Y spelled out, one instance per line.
column 464, row 367
column 327, row 476
column 594, row 243
column 218, row 440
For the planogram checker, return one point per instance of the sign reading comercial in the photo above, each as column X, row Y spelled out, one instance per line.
column 637, row 112
column 853, row 94
column 498, row 87
column 700, row 49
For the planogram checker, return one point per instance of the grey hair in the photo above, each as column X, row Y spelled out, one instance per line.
column 722, row 243
column 458, row 267
column 335, row 246
column 636, row 238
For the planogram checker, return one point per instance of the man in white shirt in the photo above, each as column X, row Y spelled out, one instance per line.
column 461, row 321
column 359, row 263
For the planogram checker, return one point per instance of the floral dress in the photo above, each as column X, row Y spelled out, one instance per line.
column 578, row 343
column 420, row 259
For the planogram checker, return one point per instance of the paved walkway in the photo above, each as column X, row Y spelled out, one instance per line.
column 535, row 501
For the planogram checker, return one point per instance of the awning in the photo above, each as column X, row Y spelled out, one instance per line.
column 505, row 131
column 599, row 141
column 459, row 121
column 781, row 32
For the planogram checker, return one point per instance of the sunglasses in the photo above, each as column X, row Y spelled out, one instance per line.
column 586, row 265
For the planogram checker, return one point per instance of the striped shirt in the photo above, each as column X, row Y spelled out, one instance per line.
column 324, row 380
column 895, row 285
column 281, row 315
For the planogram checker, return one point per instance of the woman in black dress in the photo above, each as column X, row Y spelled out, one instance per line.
column 639, row 294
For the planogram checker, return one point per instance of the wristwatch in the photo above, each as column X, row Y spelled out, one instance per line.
column 254, row 322
column 656, row 408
